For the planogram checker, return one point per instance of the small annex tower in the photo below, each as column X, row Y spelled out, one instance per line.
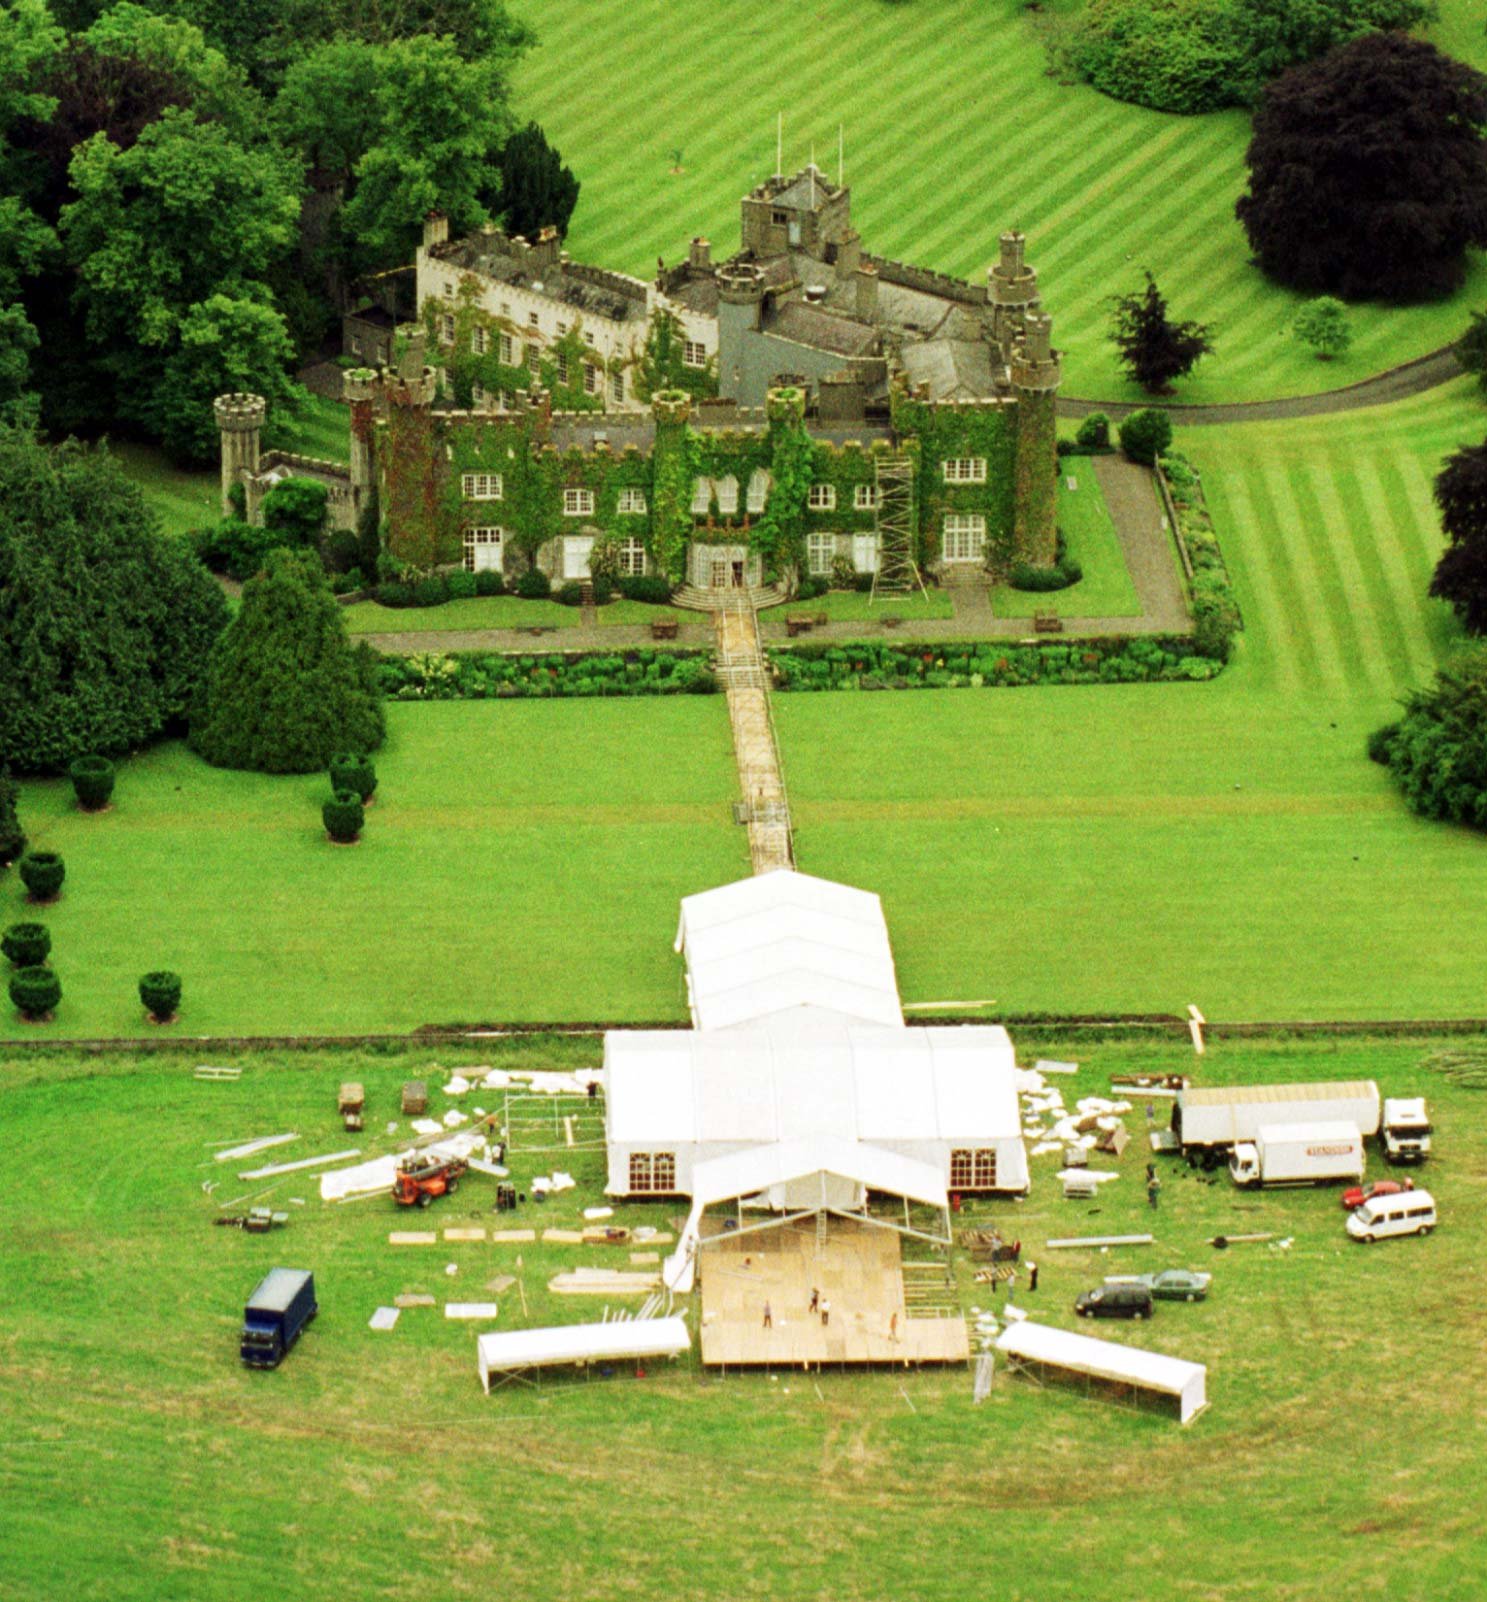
column 240, row 422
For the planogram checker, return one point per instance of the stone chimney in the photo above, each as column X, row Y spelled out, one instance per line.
column 435, row 229
column 700, row 255
column 867, row 291
column 545, row 251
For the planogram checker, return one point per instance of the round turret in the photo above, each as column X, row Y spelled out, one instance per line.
column 785, row 405
column 240, row 413
column 671, row 406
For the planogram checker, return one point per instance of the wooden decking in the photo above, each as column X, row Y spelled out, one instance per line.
column 858, row 1271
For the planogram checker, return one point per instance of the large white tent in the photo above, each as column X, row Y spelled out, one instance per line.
column 920, row 1093
column 783, row 941
column 1041, row 1346
column 512, row 1351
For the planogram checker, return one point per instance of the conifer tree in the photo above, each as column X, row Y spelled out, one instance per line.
column 285, row 689
column 1153, row 349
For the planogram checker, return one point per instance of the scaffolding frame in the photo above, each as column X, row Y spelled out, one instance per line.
column 897, row 571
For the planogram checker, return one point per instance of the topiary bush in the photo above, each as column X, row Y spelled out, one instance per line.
column 42, row 873
column 603, row 591
column 161, row 994
column 393, row 593
column 490, row 583
column 461, row 585
column 35, row 993
column 570, row 594
column 92, row 781
column 648, row 587
column 343, row 816
column 432, row 590
column 349, row 770
column 534, row 585
column 1146, row 435
column 26, row 945
column 1093, row 433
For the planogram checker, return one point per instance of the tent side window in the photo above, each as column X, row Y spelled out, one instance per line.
column 640, row 1170
column 663, row 1174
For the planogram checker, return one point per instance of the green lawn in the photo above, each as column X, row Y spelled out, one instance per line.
column 519, row 863
column 855, row 606
column 953, row 132
column 1106, row 589
column 1136, row 848
column 479, row 612
column 142, row 1462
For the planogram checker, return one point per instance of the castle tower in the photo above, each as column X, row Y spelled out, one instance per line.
column 240, row 423
column 671, row 483
column 1036, row 372
column 1012, row 290
column 361, row 395
column 740, row 309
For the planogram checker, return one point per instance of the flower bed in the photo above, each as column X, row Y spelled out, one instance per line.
column 481, row 675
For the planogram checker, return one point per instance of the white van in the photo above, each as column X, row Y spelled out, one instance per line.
column 1410, row 1212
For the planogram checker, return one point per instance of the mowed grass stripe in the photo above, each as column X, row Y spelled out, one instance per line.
column 1269, row 664
column 1286, row 622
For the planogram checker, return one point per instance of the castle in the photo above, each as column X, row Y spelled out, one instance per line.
column 801, row 405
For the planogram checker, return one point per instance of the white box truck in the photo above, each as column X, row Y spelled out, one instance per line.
column 1209, row 1123
column 1298, row 1154
column 1406, row 1131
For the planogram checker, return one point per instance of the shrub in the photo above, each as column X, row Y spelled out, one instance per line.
column 92, row 781
column 12, row 835
column 1146, row 434
column 1380, row 743
column 809, row 588
column 35, row 992
column 235, row 548
column 26, row 945
column 843, row 574
column 394, row 593
column 1094, row 432
column 1438, row 749
column 295, row 509
column 342, row 551
column 347, row 583
column 1026, row 576
column 461, row 586
column 343, row 816
column 603, row 590
column 285, row 688
column 490, row 582
column 570, row 594
column 42, row 873
column 161, row 994
column 534, row 585
column 432, row 590
column 648, row 587
column 349, row 770
column 1322, row 324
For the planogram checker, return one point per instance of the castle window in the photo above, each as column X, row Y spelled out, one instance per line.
column 534, row 356
column 483, row 550
column 560, row 368
column 446, row 327
column 632, row 558
column 505, row 308
column 631, row 500
column 822, row 498
column 779, row 218
column 965, row 470
column 865, row 498
column 617, row 388
column 590, row 379
column 726, row 489
column 965, row 534
column 481, row 486
column 578, row 503
column 506, row 350
column 694, row 353
column 820, row 553
column 479, row 340
column 533, row 321
column 702, row 494
column 758, row 489
column 865, row 553
column 562, row 328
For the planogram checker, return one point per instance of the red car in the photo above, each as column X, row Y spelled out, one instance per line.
column 1356, row 1195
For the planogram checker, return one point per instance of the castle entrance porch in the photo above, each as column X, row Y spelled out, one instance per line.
column 724, row 567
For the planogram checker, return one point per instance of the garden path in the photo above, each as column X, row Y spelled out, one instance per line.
column 761, row 779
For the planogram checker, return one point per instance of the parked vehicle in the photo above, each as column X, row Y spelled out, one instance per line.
column 1407, row 1130
column 276, row 1315
column 1176, row 1284
column 1298, row 1154
column 1356, row 1195
column 1210, row 1122
column 1115, row 1301
column 420, row 1179
column 1408, row 1212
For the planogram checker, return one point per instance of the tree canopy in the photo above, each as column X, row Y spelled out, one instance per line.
column 1368, row 172
column 1438, row 749
column 537, row 190
column 1461, row 574
column 285, row 690
column 104, row 623
column 1153, row 348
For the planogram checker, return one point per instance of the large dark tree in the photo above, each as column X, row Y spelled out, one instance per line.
column 285, row 690
column 1461, row 574
column 1438, row 749
column 1154, row 350
column 104, row 623
column 1368, row 172
column 537, row 190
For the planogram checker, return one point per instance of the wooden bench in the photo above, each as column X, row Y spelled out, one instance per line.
column 663, row 628
column 542, row 628
column 890, row 621
column 797, row 625
column 1047, row 623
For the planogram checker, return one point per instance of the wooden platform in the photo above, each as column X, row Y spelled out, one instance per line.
column 859, row 1271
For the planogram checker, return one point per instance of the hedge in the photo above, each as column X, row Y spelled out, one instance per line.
column 483, row 675
column 991, row 664
column 1216, row 615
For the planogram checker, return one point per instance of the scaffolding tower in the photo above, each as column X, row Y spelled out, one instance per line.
column 897, row 571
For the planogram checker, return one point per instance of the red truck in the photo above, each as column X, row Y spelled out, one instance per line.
column 420, row 1179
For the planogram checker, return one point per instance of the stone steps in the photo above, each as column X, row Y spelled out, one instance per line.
column 695, row 599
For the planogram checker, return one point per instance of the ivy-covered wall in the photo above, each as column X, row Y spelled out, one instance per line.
column 946, row 430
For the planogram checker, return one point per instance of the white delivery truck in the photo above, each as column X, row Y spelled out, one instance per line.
column 1406, row 1131
column 1299, row 1154
column 1209, row 1123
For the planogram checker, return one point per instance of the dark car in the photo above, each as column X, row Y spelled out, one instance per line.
column 1115, row 1301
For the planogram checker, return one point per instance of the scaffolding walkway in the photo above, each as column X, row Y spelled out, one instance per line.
column 897, row 572
column 765, row 807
